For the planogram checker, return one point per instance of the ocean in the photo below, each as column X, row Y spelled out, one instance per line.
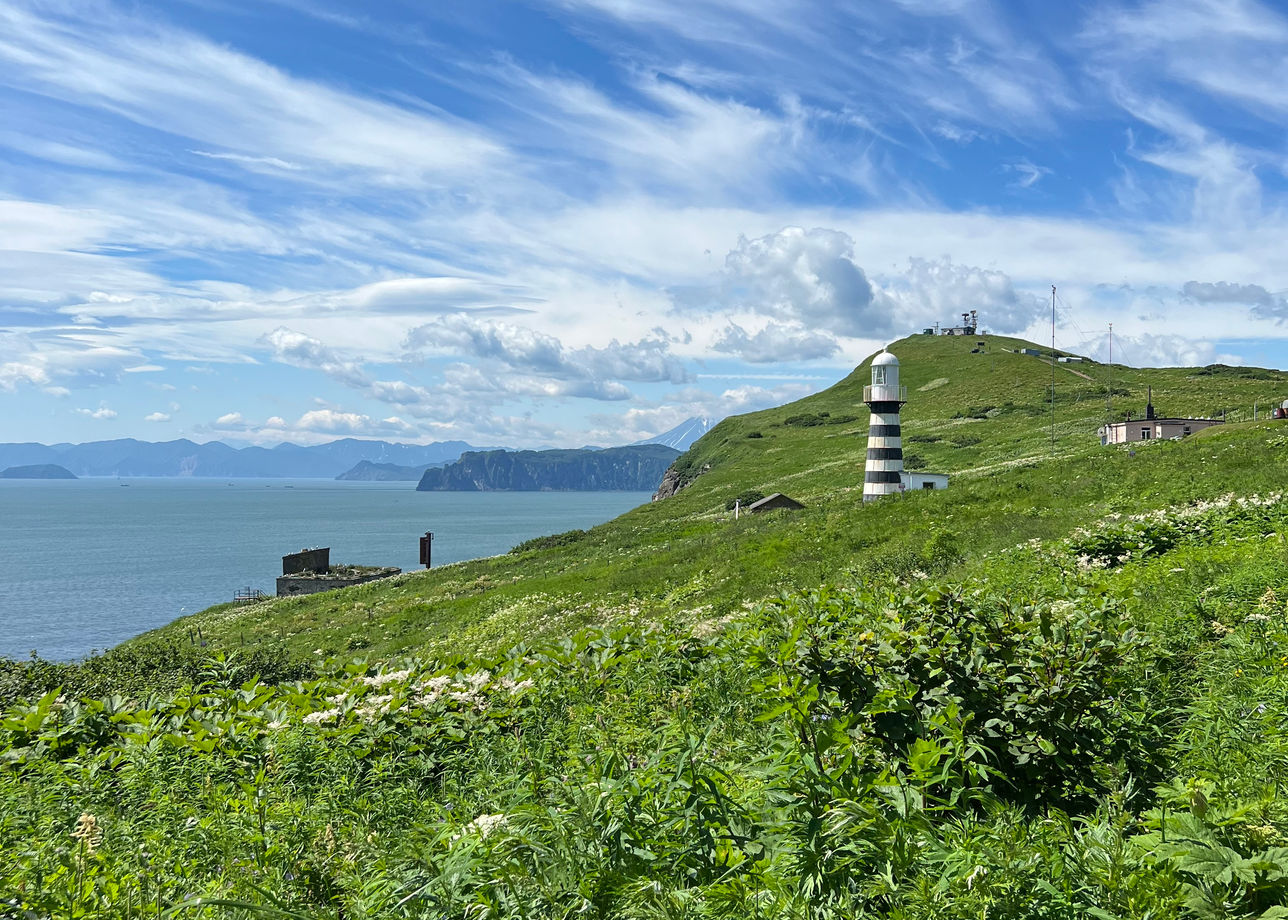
column 88, row 563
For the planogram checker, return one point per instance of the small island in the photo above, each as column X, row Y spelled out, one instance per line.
column 38, row 471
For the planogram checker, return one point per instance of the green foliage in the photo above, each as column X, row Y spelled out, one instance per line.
column 553, row 540
column 744, row 498
column 1033, row 702
column 142, row 668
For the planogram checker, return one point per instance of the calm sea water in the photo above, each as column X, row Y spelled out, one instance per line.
column 85, row 564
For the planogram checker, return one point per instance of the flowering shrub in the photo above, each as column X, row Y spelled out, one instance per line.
column 1121, row 539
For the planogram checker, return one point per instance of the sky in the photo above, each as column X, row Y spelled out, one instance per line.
column 583, row 221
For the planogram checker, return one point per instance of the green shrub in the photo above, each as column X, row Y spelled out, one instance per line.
column 1033, row 702
column 744, row 498
column 554, row 539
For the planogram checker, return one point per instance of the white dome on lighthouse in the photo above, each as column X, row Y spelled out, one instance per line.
column 885, row 358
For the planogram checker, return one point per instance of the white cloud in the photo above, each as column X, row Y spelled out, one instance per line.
column 100, row 413
column 527, row 350
column 939, row 290
column 183, row 84
column 1263, row 303
column 296, row 348
column 156, row 417
column 230, row 420
column 776, row 343
column 804, row 275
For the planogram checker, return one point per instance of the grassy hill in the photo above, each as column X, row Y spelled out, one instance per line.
column 984, row 418
column 1056, row 690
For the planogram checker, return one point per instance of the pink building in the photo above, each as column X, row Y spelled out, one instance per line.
column 1151, row 427
column 1147, row 429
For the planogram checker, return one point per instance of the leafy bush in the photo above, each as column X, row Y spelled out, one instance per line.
column 806, row 420
column 142, row 668
column 914, row 462
column 1036, row 703
column 554, row 539
column 744, row 498
column 754, row 434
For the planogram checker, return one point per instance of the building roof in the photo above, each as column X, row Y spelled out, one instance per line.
column 885, row 358
column 1138, row 421
column 777, row 500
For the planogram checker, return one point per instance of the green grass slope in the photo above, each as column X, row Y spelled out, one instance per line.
column 1086, row 725
column 1055, row 691
column 982, row 417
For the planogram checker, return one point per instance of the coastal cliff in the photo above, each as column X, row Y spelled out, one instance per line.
column 637, row 468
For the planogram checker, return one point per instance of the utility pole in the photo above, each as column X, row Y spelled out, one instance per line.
column 1053, row 368
column 1109, row 397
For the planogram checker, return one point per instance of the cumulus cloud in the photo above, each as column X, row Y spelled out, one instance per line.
column 300, row 350
column 1149, row 350
column 102, row 412
column 644, row 421
column 315, row 426
column 330, row 421
column 776, row 342
column 810, row 279
column 519, row 348
column 156, row 417
column 937, row 290
column 1264, row 304
column 808, row 276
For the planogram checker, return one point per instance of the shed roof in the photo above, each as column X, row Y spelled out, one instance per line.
column 770, row 502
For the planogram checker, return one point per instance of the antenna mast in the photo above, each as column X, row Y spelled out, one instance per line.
column 1053, row 368
column 1109, row 397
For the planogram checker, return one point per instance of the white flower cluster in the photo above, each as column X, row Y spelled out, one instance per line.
column 322, row 715
column 379, row 680
column 481, row 826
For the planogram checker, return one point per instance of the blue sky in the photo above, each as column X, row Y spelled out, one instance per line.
column 584, row 221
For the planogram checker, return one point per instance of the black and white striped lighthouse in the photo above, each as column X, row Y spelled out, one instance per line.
column 883, row 474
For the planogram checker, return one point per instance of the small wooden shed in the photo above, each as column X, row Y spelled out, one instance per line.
column 773, row 503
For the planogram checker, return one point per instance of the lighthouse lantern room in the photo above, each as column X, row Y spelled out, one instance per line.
column 883, row 474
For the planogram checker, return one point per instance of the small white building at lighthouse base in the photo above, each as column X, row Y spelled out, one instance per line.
column 909, row 481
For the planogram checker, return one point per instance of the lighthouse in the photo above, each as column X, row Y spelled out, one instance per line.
column 883, row 474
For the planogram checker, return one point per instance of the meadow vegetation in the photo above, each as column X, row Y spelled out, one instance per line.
column 1055, row 690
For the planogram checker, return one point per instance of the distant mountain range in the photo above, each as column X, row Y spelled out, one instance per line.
column 128, row 457
column 637, row 468
column 682, row 436
column 347, row 458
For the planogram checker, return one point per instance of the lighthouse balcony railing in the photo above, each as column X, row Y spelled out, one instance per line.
column 885, row 393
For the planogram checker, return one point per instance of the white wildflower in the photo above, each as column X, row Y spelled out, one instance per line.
column 482, row 826
column 379, row 680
